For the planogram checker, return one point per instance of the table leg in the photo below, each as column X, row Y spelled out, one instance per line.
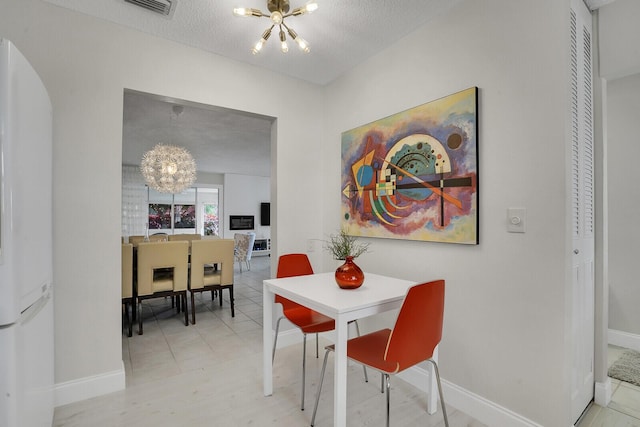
column 267, row 343
column 340, row 381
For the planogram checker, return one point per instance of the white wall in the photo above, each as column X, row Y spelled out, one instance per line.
column 506, row 336
column 505, row 331
column 619, row 36
column 242, row 196
column 623, row 105
column 86, row 64
column 620, row 67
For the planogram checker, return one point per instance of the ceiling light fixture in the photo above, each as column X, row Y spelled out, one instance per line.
column 279, row 11
column 168, row 168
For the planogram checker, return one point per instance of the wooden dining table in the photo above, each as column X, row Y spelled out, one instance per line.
column 319, row 292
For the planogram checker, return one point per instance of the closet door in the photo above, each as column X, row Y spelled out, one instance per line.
column 582, row 208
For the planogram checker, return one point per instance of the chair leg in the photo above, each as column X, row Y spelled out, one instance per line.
column 185, row 307
column 304, row 364
column 193, row 309
column 388, row 392
column 364, row 368
column 127, row 319
column 233, row 310
column 275, row 340
column 444, row 410
column 139, row 309
column 130, row 320
column 324, row 367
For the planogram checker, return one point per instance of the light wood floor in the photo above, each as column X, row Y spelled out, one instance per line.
column 210, row 374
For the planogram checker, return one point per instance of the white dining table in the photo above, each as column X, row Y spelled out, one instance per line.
column 321, row 293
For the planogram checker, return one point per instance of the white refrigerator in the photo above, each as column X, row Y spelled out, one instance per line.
column 26, row 277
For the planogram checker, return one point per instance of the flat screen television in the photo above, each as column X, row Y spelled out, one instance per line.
column 265, row 213
column 241, row 222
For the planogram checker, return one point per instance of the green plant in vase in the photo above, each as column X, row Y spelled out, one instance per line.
column 345, row 247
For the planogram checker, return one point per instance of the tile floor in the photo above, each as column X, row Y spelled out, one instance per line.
column 624, row 408
column 210, row 374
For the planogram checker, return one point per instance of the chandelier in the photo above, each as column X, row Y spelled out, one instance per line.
column 279, row 11
column 168, row 168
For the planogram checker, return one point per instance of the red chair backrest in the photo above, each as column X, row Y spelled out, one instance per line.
column 290, row 265
column 418, row 328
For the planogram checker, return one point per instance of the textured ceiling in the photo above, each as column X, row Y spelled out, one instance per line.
column 221, row 140
column 341, row 34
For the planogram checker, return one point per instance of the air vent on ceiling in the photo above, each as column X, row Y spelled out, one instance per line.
column 163, row 7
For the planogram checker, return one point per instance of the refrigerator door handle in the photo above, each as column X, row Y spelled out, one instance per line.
column 32, row 311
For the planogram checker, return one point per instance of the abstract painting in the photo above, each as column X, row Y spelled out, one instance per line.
column 414, row 175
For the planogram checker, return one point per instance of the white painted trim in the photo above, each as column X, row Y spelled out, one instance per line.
column 624, row 339
column 603, row 393
column 88, row 387
column 476, row 406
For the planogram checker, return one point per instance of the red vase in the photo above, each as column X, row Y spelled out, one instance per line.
column 349, row 275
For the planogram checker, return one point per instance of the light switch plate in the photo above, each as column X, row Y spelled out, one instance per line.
column 516, row 220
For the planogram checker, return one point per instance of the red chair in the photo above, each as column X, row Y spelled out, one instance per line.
column 417, row 332
column 309, row 321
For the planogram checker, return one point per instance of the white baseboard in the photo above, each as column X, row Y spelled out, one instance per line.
column 97, row 385
column 88, row 387
column 478, row 407
column 624, row 339
column 603, row 393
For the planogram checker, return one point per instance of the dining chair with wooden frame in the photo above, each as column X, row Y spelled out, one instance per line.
column 211, row 270
column 162, row 271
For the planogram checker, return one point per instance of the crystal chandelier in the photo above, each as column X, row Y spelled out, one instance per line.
column 279, row 11
column 168, row 168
